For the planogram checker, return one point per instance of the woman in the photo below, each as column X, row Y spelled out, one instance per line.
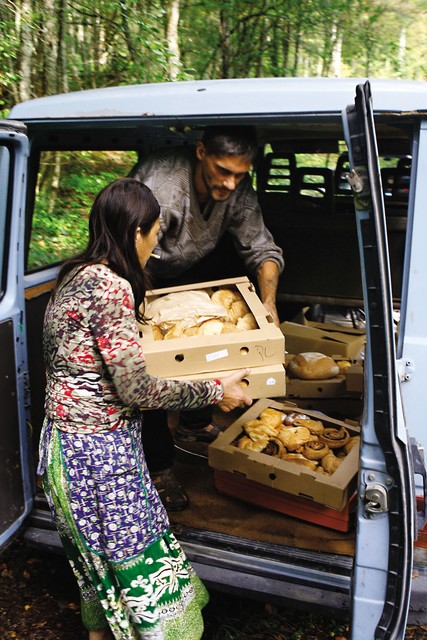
column 134, row 579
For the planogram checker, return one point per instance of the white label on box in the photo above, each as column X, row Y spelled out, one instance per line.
column 217, row 355
column 270, row 382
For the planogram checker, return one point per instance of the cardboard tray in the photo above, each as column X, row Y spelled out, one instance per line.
column 333, row 388
column 202, row 354
column 333, row 340
column 236, row 486
column 261, row 382
column 331, row 491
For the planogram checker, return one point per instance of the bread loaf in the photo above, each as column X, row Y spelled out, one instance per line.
column 313, row 366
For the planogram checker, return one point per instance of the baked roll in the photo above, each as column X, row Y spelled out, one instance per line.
column 335, row 438
column 315, row 450
column 225, row 297
column 237, row 310
column 247, row 323
column 313, row 366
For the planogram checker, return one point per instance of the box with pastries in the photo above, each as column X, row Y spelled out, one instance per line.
column 329, row 480
column 208, row 327
column 261, row 382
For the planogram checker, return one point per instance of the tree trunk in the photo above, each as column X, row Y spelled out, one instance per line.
column 224, row 29
column 50, row 48
column 172, row 38
column 24, row 19
column 62, row 76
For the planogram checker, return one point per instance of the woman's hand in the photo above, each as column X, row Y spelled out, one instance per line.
column 234, row 395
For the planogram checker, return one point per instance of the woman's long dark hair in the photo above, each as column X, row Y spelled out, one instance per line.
column 118, row 210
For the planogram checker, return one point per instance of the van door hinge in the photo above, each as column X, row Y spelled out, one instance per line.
column 375, row 499
column 405, row 369
column 359, row 183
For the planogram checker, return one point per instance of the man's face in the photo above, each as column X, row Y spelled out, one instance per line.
column 218, row 176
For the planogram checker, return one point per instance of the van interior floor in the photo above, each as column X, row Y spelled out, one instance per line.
column 209, row 510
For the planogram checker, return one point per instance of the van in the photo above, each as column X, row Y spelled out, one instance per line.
column 340, row 177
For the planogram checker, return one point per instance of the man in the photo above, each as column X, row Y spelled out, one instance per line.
column 202, row 194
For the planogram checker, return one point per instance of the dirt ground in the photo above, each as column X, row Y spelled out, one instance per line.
column 39, row 601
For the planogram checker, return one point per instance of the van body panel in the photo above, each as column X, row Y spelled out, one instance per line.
column 385, row 523
column 16, row 475
column 222, row 97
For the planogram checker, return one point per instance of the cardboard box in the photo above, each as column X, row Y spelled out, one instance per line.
column 354, row 378
column 331, row 491
column 333, row 340
column 262, row 381
column 333, row 388
column 264, row 346
column 231, row 484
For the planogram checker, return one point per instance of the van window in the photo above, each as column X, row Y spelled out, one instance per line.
column 67, row 184
column 4, row 182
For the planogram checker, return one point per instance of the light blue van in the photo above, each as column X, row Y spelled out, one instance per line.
column 341, row 178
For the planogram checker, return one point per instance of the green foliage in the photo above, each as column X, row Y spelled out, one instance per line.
column 53, row 46
column 60, row 220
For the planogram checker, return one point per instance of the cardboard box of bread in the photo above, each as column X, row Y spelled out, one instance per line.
column 299, row 452
column 333, row 340
column 209, row 327
column 316, row 375
column 261, row 383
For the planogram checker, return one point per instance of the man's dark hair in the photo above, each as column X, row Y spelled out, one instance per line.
column 230, row 141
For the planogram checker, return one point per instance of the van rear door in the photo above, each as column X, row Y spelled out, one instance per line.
column 15, row 471
column 386, row 507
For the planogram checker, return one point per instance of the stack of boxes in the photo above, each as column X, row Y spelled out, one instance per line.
column 256, row 477
column 213, row 356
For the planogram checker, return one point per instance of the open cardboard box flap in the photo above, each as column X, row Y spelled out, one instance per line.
column 333, row 340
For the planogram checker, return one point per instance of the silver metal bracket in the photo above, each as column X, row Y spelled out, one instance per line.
column 375, row 499
column 405, row 369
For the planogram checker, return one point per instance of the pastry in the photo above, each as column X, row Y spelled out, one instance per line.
column 274, row 448
column 313, row 366
column 294, row 437
column 157, row 332
column 247, row 323
column 343, row 365
column 335, row 438
column 314, row 426
column 353, row 442
column 225, row 297
column 272, row 417
column 191, row 331
column 330, row 462
column 298, row 458
column 237, row 310
column 290, row 417
column 211, row 327
column 253, row 445
column 257, row 429
column 315, row 450
column 176, row 331
column 229, row 327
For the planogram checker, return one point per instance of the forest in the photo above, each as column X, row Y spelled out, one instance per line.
column 57, row 46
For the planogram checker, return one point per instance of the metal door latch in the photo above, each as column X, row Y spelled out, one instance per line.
column 375, row 499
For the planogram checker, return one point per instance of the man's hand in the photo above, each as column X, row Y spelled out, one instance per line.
column 234, row 396
column 270, row 305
